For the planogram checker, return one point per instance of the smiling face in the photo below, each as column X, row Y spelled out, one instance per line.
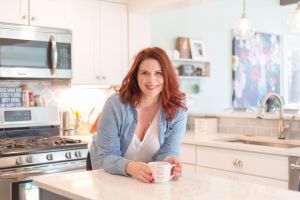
column 150, row 78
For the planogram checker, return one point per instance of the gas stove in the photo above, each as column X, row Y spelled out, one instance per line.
column 22, row 152
column 31, row 137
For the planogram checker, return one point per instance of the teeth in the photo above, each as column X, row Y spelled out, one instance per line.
column 151, row 86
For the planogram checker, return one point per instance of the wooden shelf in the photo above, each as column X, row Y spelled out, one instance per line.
column 191, row 77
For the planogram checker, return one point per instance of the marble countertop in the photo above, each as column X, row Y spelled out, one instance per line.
column 97, row 184
column 219, row 141
column 247, row 115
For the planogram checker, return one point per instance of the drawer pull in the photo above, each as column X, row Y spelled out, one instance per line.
column 294, row 166
column 238, row 163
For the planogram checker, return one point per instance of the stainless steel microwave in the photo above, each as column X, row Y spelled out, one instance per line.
column 28, row 52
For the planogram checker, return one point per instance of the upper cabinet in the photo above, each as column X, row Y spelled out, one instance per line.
column 100, row 41
column 14, row 11
column 48, row 13
column 147, row 6
column 82, row 20
column 113, row 43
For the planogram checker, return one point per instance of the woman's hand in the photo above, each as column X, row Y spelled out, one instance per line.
column 177, row 169
column 140, row 171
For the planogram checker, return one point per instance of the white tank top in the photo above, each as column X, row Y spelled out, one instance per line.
column 144, row 150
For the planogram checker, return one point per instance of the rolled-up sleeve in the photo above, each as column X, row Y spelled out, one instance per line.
column 105, row 149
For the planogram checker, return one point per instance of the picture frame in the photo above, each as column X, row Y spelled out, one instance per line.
column 256, row 69
column 291, row 70
column 197, row 49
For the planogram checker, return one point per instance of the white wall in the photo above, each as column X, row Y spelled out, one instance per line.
column 212, row 23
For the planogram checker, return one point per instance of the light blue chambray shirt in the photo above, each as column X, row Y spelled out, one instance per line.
column 116, row 129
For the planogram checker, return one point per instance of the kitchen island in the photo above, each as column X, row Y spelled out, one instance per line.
column 98, row 184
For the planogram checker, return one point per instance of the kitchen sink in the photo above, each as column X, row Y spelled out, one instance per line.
column 264, row 143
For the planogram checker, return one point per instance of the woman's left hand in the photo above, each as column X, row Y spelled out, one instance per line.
column 177, row 169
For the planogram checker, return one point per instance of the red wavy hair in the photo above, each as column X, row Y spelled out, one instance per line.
column 172, row 97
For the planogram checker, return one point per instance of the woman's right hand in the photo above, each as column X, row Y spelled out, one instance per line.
column 140, row 171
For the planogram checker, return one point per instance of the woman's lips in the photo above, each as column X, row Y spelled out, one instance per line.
column 151, row 87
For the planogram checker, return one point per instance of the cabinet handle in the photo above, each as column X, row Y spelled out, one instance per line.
column 24, row 17
column 238, row 163
column 98, row 77
column 104, row 77
column 294, row 166
column 33, row 18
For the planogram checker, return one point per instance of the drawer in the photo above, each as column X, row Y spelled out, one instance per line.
column 188, row 154
column 264, row 165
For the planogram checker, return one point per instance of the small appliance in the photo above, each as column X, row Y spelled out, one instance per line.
column 34, row 52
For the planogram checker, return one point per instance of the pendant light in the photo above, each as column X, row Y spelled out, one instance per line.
column 244, row 28
column 294, row 20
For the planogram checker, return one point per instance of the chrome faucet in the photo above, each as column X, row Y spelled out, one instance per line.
column 283, row 128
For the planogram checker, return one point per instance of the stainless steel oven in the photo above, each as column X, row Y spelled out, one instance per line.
column 35, row 52
column 30, row 146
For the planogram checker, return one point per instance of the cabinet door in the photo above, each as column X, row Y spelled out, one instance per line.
column 188, row 154
column 82, row 20
column 113, row 47
column 14, row 11
column 49, row 13
column 251, row 163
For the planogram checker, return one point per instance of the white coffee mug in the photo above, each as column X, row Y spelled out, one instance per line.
column 161, row 171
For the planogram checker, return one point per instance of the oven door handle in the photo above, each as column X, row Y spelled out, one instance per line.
column 294, row 166
column 24, row 175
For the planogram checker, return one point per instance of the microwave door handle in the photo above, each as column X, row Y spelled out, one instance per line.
column 53, row 55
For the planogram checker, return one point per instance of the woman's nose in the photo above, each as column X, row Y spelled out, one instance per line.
column 152, row 78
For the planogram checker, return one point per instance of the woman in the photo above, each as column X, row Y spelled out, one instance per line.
column 145, row 121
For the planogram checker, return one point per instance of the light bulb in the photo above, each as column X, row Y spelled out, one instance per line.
column 244, row 28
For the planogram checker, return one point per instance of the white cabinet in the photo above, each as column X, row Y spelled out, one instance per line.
column 14, row 11
column 188, row 154
column 49, row 13
column 188, row 157
column 247, row 166
column 82, row 20
column 100, row 48
column 251, row 167
column 113, row 43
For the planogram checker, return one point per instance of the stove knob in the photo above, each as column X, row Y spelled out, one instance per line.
column 29, row 159
column 68, row 155
column 49, row 156
column 19, row 161
column 78, row 154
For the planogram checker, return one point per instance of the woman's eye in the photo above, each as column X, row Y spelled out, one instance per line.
column 143, row 73
column 158, row 73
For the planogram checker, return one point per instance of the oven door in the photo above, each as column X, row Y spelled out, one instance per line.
column 16, row 184
column 27, row 53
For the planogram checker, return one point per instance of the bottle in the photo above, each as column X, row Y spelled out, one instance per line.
column 25, row 96
column 31, row 99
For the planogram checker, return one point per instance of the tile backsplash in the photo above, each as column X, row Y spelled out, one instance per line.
column 251, row 126
column 60, row 93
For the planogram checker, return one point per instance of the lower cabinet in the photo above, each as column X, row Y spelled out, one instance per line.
column 186, row 168
column 253, row 167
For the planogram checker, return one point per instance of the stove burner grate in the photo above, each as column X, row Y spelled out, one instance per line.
column 18, row 144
